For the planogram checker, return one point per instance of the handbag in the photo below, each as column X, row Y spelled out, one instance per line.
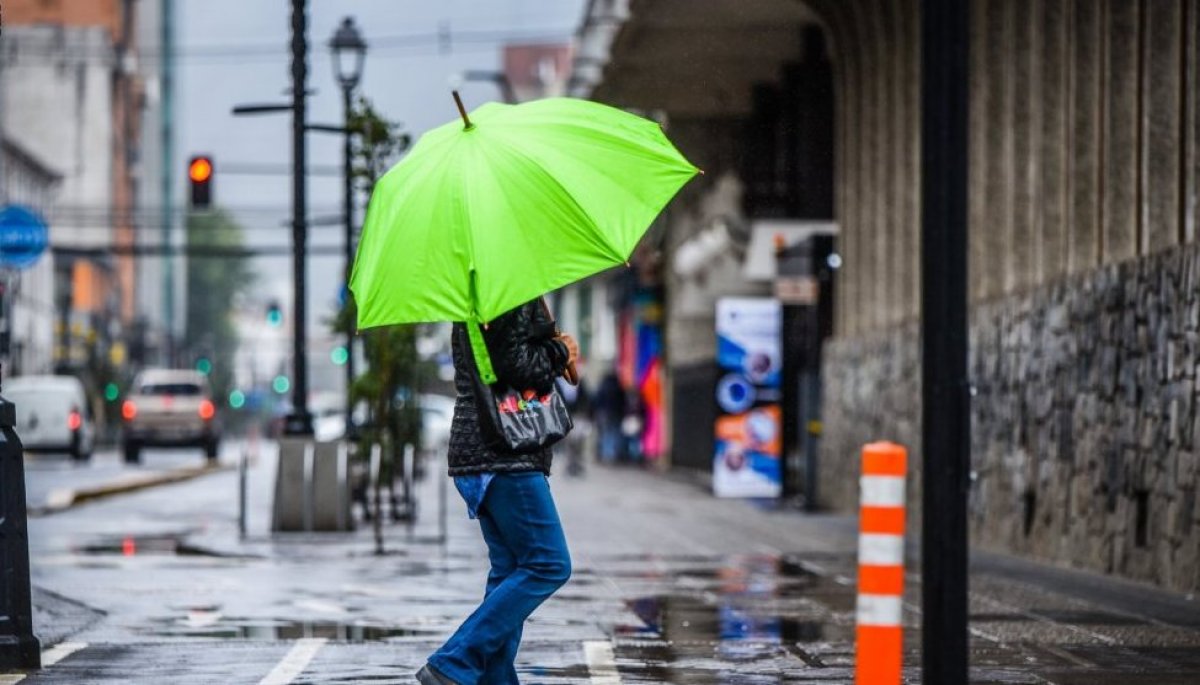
column 518, row 421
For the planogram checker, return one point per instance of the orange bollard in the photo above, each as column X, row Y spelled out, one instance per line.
column 879, row 650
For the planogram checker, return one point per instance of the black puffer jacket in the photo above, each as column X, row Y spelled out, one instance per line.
column 524, row 355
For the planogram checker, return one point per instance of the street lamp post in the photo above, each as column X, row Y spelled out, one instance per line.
column 945, row 388
column 349, row 50
column 300, row 422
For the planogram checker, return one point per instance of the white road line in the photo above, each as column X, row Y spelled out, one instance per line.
column 60, row 651
column 49, row 657
column 294, row 662
column 601, row 663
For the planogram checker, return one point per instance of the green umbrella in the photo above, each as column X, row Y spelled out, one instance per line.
column 507, row 205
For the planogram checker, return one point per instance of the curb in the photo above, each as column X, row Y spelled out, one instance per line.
column 63, row 500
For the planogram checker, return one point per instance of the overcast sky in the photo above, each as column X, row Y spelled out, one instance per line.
column 235, row 51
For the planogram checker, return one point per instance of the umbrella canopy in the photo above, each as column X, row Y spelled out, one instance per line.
column 481, row 218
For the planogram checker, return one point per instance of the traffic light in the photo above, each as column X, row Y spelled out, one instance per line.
column 274, row 314
column 200, row 173
column 339, row 355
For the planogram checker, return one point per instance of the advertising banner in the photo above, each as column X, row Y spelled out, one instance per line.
column 747, row 460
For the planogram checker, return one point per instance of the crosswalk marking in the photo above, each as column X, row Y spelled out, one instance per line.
column 294, row 662
column 60, row 651
column 601, row 663
column 50, row 657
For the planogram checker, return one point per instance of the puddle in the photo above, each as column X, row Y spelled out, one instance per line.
column 195, row 626
column 172, row 544
column 680, row 618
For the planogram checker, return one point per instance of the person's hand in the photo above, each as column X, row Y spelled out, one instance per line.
column 572, row 347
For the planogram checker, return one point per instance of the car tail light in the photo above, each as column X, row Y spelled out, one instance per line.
column 207, row 410
column 74, row 420
column 128, row 410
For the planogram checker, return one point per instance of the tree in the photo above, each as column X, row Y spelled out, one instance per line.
column 212, row 285
column 390, row 384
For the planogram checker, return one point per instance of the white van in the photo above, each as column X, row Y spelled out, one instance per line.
column 53, row 414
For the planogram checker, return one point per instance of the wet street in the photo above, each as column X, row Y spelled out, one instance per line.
column 670, row 586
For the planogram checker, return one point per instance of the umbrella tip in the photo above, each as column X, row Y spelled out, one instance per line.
column 462, row 111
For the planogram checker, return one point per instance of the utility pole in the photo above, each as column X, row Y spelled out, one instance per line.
column 300, row 422
column 945, row 390
column 348, row 209
column 167, row 173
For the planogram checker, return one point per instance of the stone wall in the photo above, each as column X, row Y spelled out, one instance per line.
column 1084, row 427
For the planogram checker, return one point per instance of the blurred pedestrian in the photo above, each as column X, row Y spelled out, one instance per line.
column 576, row 444
column 608, row 410
column 510, row 496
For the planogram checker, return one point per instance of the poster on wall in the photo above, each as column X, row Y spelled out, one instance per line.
column 746, row 462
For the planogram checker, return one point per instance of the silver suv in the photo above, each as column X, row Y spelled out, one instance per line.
column 169, row 408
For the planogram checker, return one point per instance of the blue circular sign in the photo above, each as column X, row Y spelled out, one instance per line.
column 23, row 237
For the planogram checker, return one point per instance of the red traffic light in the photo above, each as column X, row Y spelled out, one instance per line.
column 200, row 173
column 200, row 170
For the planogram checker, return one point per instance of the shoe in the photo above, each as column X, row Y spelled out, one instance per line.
column 428, row 676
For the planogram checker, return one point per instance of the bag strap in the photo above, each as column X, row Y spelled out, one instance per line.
column 483, row 360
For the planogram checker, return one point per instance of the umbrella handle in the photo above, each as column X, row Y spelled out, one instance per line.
column 462, row 111
column 569, row 373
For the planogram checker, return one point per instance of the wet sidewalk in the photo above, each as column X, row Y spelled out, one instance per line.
column 671, row 586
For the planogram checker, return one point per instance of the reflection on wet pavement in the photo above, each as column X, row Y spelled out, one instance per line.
column 271, row 631
column 167, row 584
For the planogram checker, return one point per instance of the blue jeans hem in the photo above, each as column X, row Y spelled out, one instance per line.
column 449, row 672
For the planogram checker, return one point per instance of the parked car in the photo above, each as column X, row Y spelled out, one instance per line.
column 169, row 408
column 328, row 415
column 53, row 414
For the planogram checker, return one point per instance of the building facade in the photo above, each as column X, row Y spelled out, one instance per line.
column 27, row 305
column 1083, row 212
column 75, row 96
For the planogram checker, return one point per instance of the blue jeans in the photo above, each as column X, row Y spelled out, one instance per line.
column 530, row 561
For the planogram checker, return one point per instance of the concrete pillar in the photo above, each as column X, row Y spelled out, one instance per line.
column 912, row 149
column 993, row 235
column 1053, row 37
column 1085, row 75
column 874, row 239
column 291, row 506
column 977, row 179
column 1160, row 158
column 1022, row 141
column 1026, row 138
column 1123, row 32
column 1191, row 198
column 856, row 270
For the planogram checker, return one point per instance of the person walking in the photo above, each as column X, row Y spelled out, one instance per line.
column 608, row 410
column 510, row 496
